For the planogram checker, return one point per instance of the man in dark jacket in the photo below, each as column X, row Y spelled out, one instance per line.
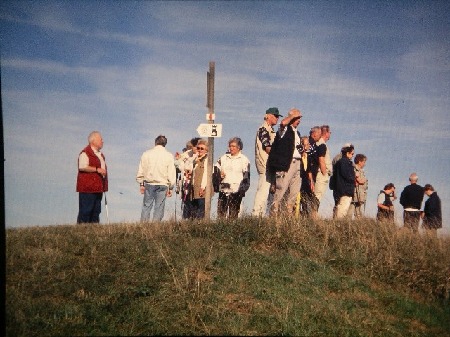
column 432, row 214
column 411, row 200
column 344, row 181
column 284, row 162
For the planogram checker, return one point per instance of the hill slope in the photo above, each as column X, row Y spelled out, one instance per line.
column 246, row 277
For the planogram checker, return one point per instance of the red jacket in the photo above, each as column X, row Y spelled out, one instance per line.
column 91, row 182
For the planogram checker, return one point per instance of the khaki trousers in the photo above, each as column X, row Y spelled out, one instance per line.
column 262, row 193
column 285, row 181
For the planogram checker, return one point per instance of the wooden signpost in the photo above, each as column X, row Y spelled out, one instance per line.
column 210, row 118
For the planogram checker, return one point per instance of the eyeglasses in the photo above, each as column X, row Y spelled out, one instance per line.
column 201, row 148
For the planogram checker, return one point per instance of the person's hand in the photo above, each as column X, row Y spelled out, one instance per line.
column 142, row 189
column 201, row 192
column 101, row 171
column 169, row 193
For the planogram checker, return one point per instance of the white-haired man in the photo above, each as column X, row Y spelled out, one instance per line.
column 411, row 200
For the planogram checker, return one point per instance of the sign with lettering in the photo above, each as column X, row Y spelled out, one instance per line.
column 210, row 130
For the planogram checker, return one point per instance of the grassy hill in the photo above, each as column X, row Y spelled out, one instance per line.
column 247, row 277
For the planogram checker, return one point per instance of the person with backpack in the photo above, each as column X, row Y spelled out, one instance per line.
column 385, row 203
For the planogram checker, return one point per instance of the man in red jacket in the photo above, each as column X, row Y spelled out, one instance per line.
column 92, row 179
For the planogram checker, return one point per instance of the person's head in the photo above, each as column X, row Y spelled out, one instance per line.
column 161, row 140
column 188, row 146
column 295, row 115
column 305, row 143
column 315, row 133
column 325, row 132
column 194, row 142
column 95, row 140
column 360, row 160
column 235, row 145
column 428, row 189
column 202, row 147
column 413, row 178
column 389, row 188
column 271, row 116
column 348, row 151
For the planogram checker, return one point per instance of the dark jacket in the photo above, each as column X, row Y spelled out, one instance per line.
column 345, row 178
column 433, row 212
column 385, row 214
column 282, row 151
column 412, row 196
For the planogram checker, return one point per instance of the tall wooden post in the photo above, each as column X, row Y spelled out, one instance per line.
column 210, row 106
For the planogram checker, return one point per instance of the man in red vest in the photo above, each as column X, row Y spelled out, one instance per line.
column 92, row 179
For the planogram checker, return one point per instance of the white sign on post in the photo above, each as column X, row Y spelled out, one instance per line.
column 210, row 130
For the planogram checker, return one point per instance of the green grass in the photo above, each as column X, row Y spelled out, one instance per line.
column 246, row 277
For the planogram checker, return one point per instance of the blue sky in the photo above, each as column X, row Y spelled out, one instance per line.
column 377, row 72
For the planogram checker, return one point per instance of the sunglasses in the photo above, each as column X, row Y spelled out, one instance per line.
column 201, row 148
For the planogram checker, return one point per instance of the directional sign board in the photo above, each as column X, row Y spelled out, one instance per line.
column 210, row 130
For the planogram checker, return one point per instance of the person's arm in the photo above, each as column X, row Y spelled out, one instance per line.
column 360, row 180
column 380, row 202
column 204, row 179
column 83, row 165
column 245, row 182
column 322, row 166
column 171, row 174
column 264, row 138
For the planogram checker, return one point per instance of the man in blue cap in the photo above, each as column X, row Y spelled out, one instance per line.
column 263, row 143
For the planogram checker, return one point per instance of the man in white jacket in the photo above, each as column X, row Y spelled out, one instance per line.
column 157, row 177
column 263, row 143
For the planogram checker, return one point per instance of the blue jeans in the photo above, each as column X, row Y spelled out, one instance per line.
column 154, row 194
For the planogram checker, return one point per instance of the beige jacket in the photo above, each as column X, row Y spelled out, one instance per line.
column 260, row 154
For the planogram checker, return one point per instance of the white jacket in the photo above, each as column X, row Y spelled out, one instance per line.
column 236, row 168
column 157, row 167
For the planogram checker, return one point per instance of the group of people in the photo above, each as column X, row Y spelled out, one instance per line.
column 294, row 173
column 411, row 199
column 230, row 178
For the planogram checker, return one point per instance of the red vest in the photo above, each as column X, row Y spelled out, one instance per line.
column 92, row 182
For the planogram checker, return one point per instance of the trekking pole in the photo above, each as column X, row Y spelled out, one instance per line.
column 106, row 207
column 176, row 195
column 106, row 203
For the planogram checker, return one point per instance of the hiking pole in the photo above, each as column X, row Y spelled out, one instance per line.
column 106, row 203
column 106, row 207
column 176, row 207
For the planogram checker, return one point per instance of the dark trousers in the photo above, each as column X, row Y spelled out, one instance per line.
column 411, row 220
column 194, row 209
column 90, row 207
column 188, row 209
column 229, row 204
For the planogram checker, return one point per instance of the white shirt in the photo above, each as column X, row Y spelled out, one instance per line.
column 83, row 160
column 157, row 167
column 297, row 154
